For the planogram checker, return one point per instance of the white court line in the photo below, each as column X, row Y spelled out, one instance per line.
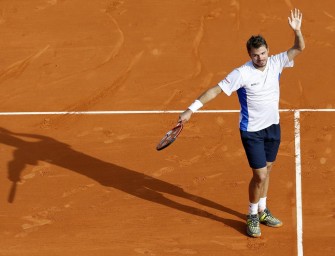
column 298, row 181
column 122, row 112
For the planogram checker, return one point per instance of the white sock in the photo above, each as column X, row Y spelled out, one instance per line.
column 253, row 208
column 262, row 204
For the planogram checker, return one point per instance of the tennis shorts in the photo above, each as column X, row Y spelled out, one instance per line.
column 261, row 146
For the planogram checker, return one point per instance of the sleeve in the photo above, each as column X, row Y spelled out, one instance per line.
column 283, row 60
column 232, row 82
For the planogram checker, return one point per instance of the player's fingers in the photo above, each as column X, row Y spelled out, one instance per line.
column 183, row 120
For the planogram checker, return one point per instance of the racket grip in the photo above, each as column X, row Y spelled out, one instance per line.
column 12, row 193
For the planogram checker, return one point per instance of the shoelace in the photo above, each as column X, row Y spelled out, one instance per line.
column 269, row 215
column 254, row 220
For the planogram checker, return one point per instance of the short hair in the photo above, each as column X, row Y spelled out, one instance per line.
column 256, row 42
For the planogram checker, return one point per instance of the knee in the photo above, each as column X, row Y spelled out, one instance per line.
column 269, row 166
column 260, row 176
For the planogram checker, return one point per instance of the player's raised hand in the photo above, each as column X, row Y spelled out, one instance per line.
column 295, row 19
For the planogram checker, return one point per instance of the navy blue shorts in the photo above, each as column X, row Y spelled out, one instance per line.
column 261, row 146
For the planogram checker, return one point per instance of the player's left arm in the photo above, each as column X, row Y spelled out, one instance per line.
column 299, row 43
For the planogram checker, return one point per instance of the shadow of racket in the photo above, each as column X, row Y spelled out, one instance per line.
column 12, row 192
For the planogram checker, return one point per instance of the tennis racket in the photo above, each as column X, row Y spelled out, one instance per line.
column 170, row 136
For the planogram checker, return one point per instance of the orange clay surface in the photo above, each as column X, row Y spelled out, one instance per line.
column 94, row 185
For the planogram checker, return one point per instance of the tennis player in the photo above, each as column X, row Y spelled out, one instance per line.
column 257, row 86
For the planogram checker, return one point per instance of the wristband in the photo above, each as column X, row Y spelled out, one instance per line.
column 196, row 105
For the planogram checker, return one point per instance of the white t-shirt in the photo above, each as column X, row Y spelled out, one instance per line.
column 258, row 92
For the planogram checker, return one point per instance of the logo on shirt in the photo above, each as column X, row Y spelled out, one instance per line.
column 253, row 84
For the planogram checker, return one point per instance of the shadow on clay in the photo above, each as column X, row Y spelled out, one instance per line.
column 47, row 149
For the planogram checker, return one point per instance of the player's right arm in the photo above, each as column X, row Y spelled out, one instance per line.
column 207, row 96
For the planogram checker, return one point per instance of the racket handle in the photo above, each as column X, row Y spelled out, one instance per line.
column 12, row 193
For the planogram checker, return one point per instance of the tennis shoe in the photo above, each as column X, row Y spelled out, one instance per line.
column 268, row 219
column 253, row 228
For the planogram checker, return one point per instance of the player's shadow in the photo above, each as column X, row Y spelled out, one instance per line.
column 32, row 148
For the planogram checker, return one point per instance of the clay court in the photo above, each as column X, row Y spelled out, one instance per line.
column 88, row 88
